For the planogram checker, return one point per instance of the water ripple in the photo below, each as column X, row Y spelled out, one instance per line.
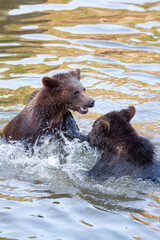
column 24, row 9
column 116, row 45
column 98, row 29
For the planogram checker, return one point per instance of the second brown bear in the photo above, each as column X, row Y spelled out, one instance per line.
column 124, row 151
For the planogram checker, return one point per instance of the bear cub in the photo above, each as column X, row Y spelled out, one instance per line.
column 48, row 109
column 124, row 151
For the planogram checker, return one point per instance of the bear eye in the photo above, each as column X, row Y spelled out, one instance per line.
column 76, row 93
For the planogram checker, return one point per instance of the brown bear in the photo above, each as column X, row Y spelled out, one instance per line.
column 124, row 151
column 48, row 109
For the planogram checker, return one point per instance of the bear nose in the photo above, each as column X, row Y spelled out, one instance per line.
column 91, row 102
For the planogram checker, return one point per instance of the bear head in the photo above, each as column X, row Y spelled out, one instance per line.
column 112, row 130
column 68, row 92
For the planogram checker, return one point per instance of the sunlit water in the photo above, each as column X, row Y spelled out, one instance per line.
column 45, row 193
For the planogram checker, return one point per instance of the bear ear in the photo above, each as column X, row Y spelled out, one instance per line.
column 129, row 112
column 76, row 73
column 50, row 82
column 105, row 125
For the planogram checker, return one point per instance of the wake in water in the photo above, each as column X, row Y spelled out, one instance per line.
column 43, row 161
column 61, row 164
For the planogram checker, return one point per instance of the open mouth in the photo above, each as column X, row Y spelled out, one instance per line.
column 83, row 110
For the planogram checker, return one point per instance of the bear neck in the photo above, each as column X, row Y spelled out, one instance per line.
column 132, row 148
column 140, row 150
column 47, row 106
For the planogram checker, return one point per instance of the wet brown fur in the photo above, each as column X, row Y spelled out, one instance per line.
column 45, row 108
column 124, row 151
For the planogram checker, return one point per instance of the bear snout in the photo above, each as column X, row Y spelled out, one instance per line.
column 91, row 102
column 88, row 103
column 88, row 138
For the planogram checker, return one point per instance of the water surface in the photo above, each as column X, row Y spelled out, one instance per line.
column 46, row 194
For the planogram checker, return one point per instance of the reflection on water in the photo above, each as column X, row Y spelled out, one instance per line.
column 116, row 45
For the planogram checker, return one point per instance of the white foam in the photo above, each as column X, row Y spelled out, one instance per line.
column 40, row 161
column 61, row 164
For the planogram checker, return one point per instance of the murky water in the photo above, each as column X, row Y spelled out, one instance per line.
column 45, row 194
